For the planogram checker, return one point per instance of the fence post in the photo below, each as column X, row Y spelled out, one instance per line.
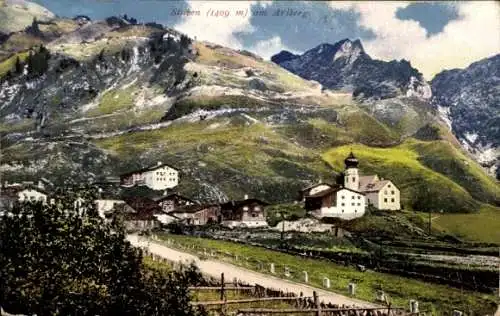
column 413, row 307
column 222, row 286
column 316, row 303
column 326, row 282
column 306, row 277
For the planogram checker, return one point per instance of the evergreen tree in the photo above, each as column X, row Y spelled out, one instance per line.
column 18, row 66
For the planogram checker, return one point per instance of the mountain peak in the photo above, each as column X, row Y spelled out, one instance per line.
column 283, row 56
column 347, row 50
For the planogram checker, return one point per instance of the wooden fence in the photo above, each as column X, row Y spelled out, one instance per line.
column 301, row 305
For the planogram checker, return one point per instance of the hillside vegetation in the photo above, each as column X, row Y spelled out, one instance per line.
column 118, row 97
column 432, row 176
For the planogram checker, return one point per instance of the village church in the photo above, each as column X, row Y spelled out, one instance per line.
column 349, row 200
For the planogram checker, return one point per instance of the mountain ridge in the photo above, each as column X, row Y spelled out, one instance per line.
column 231, row 122
column 345, row 65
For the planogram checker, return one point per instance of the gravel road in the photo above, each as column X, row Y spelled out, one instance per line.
column 215, row 268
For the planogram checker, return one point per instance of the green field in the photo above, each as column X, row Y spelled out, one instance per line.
column 439, row 299
column 483, row 227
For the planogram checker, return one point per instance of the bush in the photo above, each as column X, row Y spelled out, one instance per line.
column 56, row 261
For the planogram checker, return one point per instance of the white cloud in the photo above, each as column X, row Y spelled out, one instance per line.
column 471, row 37
column 269, row 47
column 218, row 29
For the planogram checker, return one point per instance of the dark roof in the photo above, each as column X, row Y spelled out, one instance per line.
column 190, row 208
column 165, row 197
column 332, row 190
column 314, row 185
column 231, row 204
column 150, row 168
column 143, row 204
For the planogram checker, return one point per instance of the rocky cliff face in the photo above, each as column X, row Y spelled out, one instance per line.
column 346, row 66
column 469, row 100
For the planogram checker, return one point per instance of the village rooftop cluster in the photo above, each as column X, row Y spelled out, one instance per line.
column 346, row 201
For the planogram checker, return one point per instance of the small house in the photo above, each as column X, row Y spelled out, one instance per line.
column 105, row 205
column 169, row 203
column 134, row 219
column 198, row 214
column 31, row 193
column 244, row 213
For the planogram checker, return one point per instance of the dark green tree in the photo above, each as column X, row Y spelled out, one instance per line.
column 55, row 260
column 18, row 66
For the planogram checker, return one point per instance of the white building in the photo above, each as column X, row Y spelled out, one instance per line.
column 106, row 205
column 32, row 194
column 159, row 177
column 379, row 192
column 337, row 202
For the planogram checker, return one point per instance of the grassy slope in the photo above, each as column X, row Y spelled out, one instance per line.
column 483, row 227
column 9, row 63
column 439, row 298
column 226, row 149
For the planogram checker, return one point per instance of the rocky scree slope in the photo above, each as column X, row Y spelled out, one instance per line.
column 469, row 100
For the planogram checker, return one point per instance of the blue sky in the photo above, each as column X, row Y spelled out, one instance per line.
column 432, row 35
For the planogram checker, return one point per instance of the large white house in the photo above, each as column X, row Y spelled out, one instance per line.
column 159, row 177
column 336, row 201
column 379, row 192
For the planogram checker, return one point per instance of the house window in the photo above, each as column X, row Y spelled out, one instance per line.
column 359, row 197
column 392, row 200
column 388, row 185
column 343, row 204
column 352, row 204
column 343, row 197
column 355, row 211
column 359, row 204
column 342, row 211
column 392, row 192
column 385, row 200
column 353, row 179
column 385, row 192
column 256, row 208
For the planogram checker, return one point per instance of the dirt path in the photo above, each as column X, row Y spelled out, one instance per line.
column 215, row 268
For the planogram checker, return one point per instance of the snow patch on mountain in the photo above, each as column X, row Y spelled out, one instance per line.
column 471, row 137
column 348, row 51
column 444, row 114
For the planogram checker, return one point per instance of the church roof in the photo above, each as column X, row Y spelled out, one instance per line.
column 375, row 186
column 364, row 181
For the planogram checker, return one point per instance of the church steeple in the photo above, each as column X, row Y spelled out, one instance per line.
column 351, row 161
column 351, row 175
